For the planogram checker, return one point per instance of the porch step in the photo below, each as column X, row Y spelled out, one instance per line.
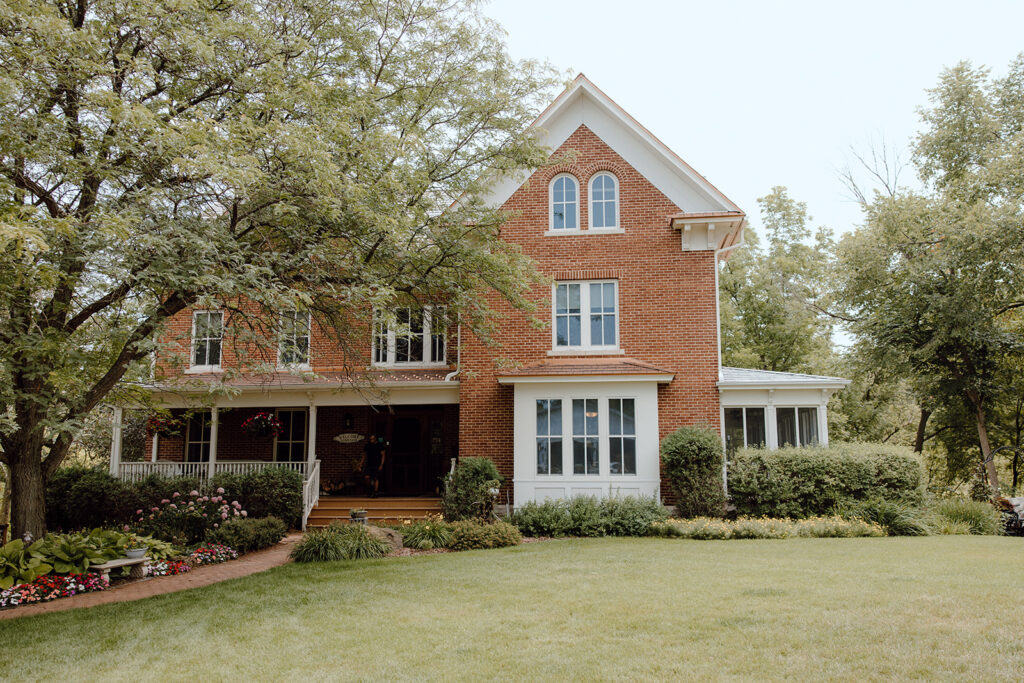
column 378, row 510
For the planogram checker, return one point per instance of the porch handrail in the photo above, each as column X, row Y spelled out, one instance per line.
column 137, row 471
column 310, row 492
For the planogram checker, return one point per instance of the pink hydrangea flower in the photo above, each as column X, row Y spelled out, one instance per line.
column 215, row 525
column 244, row 513
column 154, row 509
column 138, row 512
column 173, row 506
column 165, row 501
column 220, row 489
column 223, row 515
column 175, row 495
column 193, row 492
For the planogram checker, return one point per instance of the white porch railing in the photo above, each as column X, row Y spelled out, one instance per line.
column 137, row 471
column 310, row 492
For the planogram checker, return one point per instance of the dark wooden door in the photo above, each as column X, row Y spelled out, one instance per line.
column 415, row 449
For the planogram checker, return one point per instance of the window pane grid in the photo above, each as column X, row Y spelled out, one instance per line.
column 622, row 435
column 549, row 436
column 600, row 301
column 415, row 336
column 291, row 442
column 563, row 203
column 197, row 443
column 585, row 448
column 208, row 326
column 294, row 338
column 603, row 201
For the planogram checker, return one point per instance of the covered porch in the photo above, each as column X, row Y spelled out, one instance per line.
column 324, row 431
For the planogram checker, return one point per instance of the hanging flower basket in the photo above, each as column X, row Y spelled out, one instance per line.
column 163, row 425
column 263, row 425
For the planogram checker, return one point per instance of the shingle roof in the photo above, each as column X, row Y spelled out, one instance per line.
column 747, row 376
column 555, row 367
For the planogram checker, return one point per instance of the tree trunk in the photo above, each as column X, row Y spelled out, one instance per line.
column 986, row 448
column 28, row 489
column 921, row 425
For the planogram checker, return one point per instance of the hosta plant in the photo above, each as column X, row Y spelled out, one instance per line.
column 20, row 563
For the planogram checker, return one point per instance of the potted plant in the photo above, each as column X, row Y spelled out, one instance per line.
column 262, row 425
column 357, row 515
column 135, row 549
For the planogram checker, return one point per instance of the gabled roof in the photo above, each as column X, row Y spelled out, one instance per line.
column 568, row 369
column 583, row 103
column 767, row 379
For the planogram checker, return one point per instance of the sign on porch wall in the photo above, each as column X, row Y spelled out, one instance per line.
column 350, row 437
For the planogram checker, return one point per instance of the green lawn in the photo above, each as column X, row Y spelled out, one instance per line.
column 930, row 608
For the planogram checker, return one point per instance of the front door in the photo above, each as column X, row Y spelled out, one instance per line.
column 415, row 451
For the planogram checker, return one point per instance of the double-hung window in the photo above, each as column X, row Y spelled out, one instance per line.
column 549, row 436
column 622, row 435
column 207, row 337
column 294, row 349
column 586, row 315
column 796, row 426
column 414, row 336
column 604, row 204
column 586, row 456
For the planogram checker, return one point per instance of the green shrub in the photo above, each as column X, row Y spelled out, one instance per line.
column 982, row 517
column 426, row 534
column 631, row 515
column 898, row 519
column 320, row 545
column 249, row 534
column 271, row 492
column 949, row 527
column 550, row 518
column 707, row 528
column 586, row 516
column 692, row 461
column 86, row 498
column 468, row 490
column 358, row 543
column 805, row 482
column 472, row 534
column 20, row 563
column 74, row 553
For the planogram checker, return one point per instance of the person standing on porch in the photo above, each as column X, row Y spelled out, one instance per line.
column 374, row 457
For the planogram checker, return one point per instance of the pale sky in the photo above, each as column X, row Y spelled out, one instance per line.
column 756, row 94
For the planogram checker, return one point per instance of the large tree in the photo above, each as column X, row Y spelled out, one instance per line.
column 934, row 280
column 256, row 154
column 771, row 295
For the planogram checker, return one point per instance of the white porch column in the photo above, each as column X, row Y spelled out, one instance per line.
column 115, row 441
column 156, row 447
column 773, row 425
column 823, row 418
column 311, row 446
column 214, row 422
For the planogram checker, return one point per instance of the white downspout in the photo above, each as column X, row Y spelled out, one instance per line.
column 458, row 356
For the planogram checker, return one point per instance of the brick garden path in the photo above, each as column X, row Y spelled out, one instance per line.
column 245, row 565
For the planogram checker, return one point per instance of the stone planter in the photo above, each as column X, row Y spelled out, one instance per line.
column 135, row 553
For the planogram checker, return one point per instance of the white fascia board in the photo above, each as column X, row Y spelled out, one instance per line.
column 583, row 104
column 799, row 384
column 565, row 379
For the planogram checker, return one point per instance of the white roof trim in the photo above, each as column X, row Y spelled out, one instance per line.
column 745, row 378
column 583, row 103
column 563, row 379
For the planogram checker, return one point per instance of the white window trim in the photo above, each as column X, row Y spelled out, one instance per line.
column 745, row 408
column 604, row 437
column 551, row 206
column 281, row 365
column 796, row 416
column 428, row 347
column 550, row 437
column 635, row 436
column 305, row 433
column 585, row 347
column 196, row 369
column 590, row 204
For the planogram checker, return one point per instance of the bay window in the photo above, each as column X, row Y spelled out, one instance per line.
column 585, row 442
column 622, row 435
column 549, row 436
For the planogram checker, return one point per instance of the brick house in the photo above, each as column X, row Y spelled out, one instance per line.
column 629, row 236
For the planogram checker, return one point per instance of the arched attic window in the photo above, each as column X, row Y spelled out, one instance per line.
column 564, row 194
column 604, row 201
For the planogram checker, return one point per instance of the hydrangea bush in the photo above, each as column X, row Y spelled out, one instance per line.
column 188, row 519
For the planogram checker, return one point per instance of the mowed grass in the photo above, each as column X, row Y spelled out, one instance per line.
column 925, row 608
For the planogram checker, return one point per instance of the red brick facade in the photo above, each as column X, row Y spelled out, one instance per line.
column 667, row 301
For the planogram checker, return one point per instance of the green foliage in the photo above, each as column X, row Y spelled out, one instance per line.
column 982, row 517
column 468, row 490
column 248, row 534
column 768, row 296
column 156, row 549
column 271, row 492
column 86, row 498
column 803, row 482
column 74, row 553
column 711, row 529
column 426, row 534
column 692, row 460
column 20, row 563
column 589, row 516
column 359, row 544
column 897, row 518
column 320, row 545
column 215, row 151
column 473, row 534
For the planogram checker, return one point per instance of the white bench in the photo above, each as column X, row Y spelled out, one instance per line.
column 138, row 566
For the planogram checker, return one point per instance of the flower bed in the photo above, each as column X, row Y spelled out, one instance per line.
column 52, row 587
column 211, row 553
column 168, row 568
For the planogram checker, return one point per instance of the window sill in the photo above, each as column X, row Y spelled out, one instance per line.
column 295, row 367
column 203, row 369
column 591, row 231
column 409, row 366
column 586, row 352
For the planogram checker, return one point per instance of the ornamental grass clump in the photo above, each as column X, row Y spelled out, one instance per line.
column 897, row 518
column 981, row 516
column 426, row 534
column 319, row 545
